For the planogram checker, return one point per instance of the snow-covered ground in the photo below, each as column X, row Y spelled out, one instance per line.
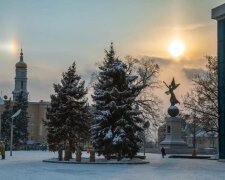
column 29, row 166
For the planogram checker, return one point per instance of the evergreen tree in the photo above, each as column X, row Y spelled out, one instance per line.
column 20, row 132
column 6, row 122
column 53, row 124
column 68, row 116
column 117, row 123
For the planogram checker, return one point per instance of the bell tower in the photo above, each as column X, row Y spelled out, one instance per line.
column 21, row 78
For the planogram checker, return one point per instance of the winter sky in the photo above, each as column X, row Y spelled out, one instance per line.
column 54, row 33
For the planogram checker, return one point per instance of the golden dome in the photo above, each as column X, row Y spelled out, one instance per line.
column 21, row 64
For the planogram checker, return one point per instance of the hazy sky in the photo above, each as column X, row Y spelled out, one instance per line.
column 54, row 33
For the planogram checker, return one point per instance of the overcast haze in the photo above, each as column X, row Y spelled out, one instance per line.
column 55, row 33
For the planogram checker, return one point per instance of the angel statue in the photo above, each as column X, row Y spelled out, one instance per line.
column 172, row 87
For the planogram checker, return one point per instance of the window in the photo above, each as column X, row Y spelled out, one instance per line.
column 168, row 129
column 21, row 85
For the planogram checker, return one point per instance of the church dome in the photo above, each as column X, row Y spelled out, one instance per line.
column 21, row 64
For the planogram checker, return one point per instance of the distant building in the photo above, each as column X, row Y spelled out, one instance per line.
column 36, row 128
column 203, row 139
column 36, row 110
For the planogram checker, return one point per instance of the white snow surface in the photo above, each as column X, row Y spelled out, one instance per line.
column 109, row 134
column 28, row 165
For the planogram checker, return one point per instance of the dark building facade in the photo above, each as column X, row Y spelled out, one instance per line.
column 218, row 13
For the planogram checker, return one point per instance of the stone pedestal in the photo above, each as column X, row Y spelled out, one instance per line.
column 173, row 141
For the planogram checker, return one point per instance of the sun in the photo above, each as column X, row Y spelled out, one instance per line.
column 176, row 48
column 9, row 47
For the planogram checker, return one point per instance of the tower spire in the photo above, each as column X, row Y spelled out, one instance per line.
column 21, row 78
column 21, row 55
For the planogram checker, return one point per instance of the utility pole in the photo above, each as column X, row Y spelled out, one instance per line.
column 194, row 137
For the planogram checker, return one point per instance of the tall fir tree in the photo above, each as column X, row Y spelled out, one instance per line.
column 6, row 122
column 117, row 124
column 68, row 116
column 54, row 124
column 20, row 132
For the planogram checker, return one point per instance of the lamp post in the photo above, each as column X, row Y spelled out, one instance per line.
column 194, row 138
column 1, row 103
column 146, row 126
column 11, row 141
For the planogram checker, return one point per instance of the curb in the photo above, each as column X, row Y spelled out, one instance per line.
column 70, row 162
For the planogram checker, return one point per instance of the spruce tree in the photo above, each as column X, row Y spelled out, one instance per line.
column 68, row 116
column 20, row 132
column 117, row 124
column 53, row 124
column 6, row 122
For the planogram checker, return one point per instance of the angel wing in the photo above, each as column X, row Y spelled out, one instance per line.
column 167, row 92
column 174, row 85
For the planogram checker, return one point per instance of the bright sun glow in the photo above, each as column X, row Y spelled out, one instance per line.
column 10, row 47
column 176, row 48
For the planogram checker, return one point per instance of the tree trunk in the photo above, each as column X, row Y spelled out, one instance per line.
column 78, row 154
column 67, row 156
column 119, row 157
column 70, row 149
column 92, row 156
column 60, row 154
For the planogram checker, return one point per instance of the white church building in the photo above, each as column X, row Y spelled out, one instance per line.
column 36, row 110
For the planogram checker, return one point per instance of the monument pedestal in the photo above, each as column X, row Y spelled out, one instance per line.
column 173, row 142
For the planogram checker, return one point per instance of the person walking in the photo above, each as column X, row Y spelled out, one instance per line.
column 163, row 151
column 2, row 149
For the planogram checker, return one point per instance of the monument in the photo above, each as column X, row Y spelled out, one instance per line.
column 173, row 141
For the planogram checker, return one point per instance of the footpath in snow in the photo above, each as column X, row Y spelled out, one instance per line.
column 28, row 165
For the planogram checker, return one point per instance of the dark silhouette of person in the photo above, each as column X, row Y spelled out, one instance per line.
column 2, row 149
column 163, row 151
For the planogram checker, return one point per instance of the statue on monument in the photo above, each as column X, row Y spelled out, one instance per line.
column 173, row 110
column 173, row 141
column 172, row 87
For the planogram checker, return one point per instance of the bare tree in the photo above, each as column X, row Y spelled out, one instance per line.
column 150, row 105
column 202, row 100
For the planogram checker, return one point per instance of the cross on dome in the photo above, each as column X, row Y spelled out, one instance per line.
column 21, row 55
column 21, row 63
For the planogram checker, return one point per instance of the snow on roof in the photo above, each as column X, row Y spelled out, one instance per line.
column 202, row 133
column 31, row 142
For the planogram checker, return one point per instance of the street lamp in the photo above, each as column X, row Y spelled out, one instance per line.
column 11, row 141
column 146, row 126
column 1, row 103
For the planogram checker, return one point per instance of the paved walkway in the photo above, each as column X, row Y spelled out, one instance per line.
column 29, row 166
